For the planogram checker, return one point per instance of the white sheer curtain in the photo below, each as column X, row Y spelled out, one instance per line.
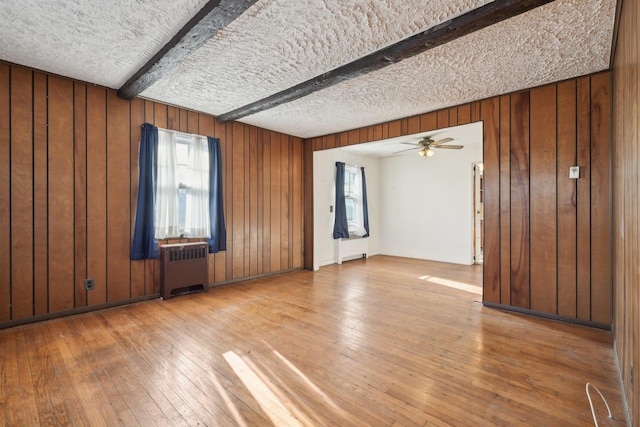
column 197, row 221
column 167, row 203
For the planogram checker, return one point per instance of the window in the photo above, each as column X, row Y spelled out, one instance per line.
column 353, row 200
column 182, row 200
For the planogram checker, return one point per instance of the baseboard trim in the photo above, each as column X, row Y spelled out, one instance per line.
column 534, row 313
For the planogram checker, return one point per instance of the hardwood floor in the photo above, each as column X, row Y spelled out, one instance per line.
column 378, row 342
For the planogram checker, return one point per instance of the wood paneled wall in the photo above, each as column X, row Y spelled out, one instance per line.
column 626, row 191
column 68, row 188
column 547, row 237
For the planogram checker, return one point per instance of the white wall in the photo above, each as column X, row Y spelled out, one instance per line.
column 426, row 208
column 324, row 169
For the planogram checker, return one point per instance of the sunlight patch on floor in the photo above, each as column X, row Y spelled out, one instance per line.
column 227, row 399
column 272, row 405
column 453, row 284
column 308, row 382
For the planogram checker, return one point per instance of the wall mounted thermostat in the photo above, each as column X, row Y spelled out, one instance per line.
column 574, row 172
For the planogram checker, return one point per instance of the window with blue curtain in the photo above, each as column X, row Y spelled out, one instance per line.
column 180, row 191
column 351, row 210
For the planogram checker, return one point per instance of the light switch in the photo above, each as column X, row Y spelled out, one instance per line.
column 574, row 172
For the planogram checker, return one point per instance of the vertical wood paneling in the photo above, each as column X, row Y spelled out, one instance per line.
column 413, row 125
column 567, row 200
column 268, row 200
column 228, row 202
column 276, row 204
column 97, row 193
column 626, row 96
column 40, row 198
column 246, row 239
column 298, row 178
column 118, row 199
column 505, row 200
column 285, row 204
column 80, row 189
column 136, row 119
column 260, row 230
column 543, row 200
column 428, row 122
column 464, row 114
column 238, row 199
column 601, row 198
column 21, row 193
column 490, row 111
column 308, row 205
column 5, row 194
column 584, row 199
column 442, row 118
column 520, row 290
column 252, row 231
column 61, row 184
column 395, row 129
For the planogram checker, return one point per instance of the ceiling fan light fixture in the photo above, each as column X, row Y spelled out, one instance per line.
column 429, row 152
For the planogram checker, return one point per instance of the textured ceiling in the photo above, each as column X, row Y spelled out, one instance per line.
column 98, row 41
column 277, row 44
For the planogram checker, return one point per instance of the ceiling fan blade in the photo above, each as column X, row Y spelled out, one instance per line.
column 442, row 141
column 408, row 149
column 411, row 143
column 450, row 147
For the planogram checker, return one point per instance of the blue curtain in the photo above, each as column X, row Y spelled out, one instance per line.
column 144, row 243
column 365, row 208
column 340, row 226
column 218, row 240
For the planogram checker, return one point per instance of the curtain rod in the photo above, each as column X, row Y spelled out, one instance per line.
column 177, row 132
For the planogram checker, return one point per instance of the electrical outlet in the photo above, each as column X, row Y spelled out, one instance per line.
column 574, row 172
column 89, row 284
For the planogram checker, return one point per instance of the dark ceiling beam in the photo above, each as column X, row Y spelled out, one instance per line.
column 214, row 16
column 460, row 26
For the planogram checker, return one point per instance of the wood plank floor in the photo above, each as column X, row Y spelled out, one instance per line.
column 378, row 342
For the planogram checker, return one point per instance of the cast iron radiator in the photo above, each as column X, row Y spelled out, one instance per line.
column 184, row 267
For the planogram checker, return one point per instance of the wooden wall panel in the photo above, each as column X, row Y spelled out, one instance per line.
column 61, row 207
column 251, row 234
column 505, row 200
column 567, row 200
column 285, row 205
column 118, row 199
column 276, row 201
column 520, row 231
column 543, row 200
column 68, row 194
column 538, row 223
column 97, row 193
column 80, row 190
column 21, row 193
column 490, row 111
column 626, row 123
column 601, row 198
column 5, row 193
column 237, row 218
column 40, row 198
column 583, row 211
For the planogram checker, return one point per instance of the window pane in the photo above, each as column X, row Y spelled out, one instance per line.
column 351, row 208
column 182, row 209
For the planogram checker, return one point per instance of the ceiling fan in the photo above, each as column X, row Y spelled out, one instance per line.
column 427, row 144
